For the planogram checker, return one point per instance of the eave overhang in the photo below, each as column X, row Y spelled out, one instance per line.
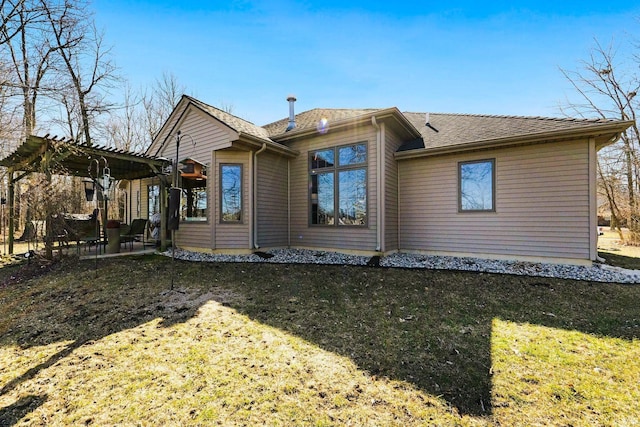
column 252, row 143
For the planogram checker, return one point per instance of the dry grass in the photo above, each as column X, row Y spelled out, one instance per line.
column 254, row 344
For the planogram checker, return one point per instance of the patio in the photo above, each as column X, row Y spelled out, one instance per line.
column 84, row 251
column 54, row 156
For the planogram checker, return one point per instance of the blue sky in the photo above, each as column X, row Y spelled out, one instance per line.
column 463, row 57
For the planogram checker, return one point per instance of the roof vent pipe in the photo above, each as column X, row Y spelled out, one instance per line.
column 292, row 115
column 428, row 124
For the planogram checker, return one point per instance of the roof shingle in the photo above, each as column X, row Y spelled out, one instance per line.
column 310, row 119
column 465, row 128
column 236, row 123
column 452, row 129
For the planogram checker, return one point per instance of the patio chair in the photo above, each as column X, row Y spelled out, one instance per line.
column 137, row 230
column 85, row 231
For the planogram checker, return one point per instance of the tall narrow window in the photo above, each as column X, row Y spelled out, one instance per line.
column 476, row 186
column 153, row 199
column 231, row 193
column 338, row 185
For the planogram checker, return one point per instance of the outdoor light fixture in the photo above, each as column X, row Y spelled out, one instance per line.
column 106, row 179
column 89, row 189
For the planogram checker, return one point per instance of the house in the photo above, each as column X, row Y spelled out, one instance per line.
column 378, row 181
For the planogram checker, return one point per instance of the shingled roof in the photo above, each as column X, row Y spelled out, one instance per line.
column 310, row 119
column 460, row 129
column 445, row 130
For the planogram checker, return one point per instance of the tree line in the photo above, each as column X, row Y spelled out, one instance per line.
column 57, row 75
column 606, row 85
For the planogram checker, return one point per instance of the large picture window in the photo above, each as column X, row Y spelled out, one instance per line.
column 231, row 193
column 193, row 206
column 338, row 185
column 476, row 191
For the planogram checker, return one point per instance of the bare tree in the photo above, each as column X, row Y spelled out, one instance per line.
column 125, row 128
column 10, row 112
column 607, row 88
column 160, row 101
column 87, row 62
column 27, row 50
column 30, row 53
column 9, row 10
column 133, row 124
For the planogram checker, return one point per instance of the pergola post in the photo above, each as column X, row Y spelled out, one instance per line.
column 10, row 202
column 163, row 214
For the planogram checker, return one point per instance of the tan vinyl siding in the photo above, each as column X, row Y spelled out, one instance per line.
column 392, row 143
column 230, row 235
column 272, row 197
column 194, row 235
column 135, row 200
column 348, row 238
column 200, row 135
column 542, row 204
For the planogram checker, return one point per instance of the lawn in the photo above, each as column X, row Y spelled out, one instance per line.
column 264, row 344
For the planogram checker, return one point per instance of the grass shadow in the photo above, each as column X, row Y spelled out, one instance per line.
column 622, row 261
column 83, row 305
column 10, row 415
column 431, row 329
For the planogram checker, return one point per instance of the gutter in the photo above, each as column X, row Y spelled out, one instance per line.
column 254, row 210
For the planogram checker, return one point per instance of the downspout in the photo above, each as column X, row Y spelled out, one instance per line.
column 289, row 203
column 593, row 202
column 382, row 177
column 254, row 213
column 378, row 184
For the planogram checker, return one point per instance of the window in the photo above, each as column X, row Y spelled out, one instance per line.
column 153, row 198
column 338, row 185
column 231, row 193
column 193, row 203
column 476, row 186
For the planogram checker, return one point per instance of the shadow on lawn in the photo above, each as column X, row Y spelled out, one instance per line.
column 84, row 306
column 13, row 413
column 429, row 328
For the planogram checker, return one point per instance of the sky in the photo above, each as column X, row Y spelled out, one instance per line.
column 418, row 56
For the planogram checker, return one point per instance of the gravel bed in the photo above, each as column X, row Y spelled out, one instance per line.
column 595, row 273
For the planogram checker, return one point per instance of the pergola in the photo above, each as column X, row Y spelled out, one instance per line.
column 60, row 156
